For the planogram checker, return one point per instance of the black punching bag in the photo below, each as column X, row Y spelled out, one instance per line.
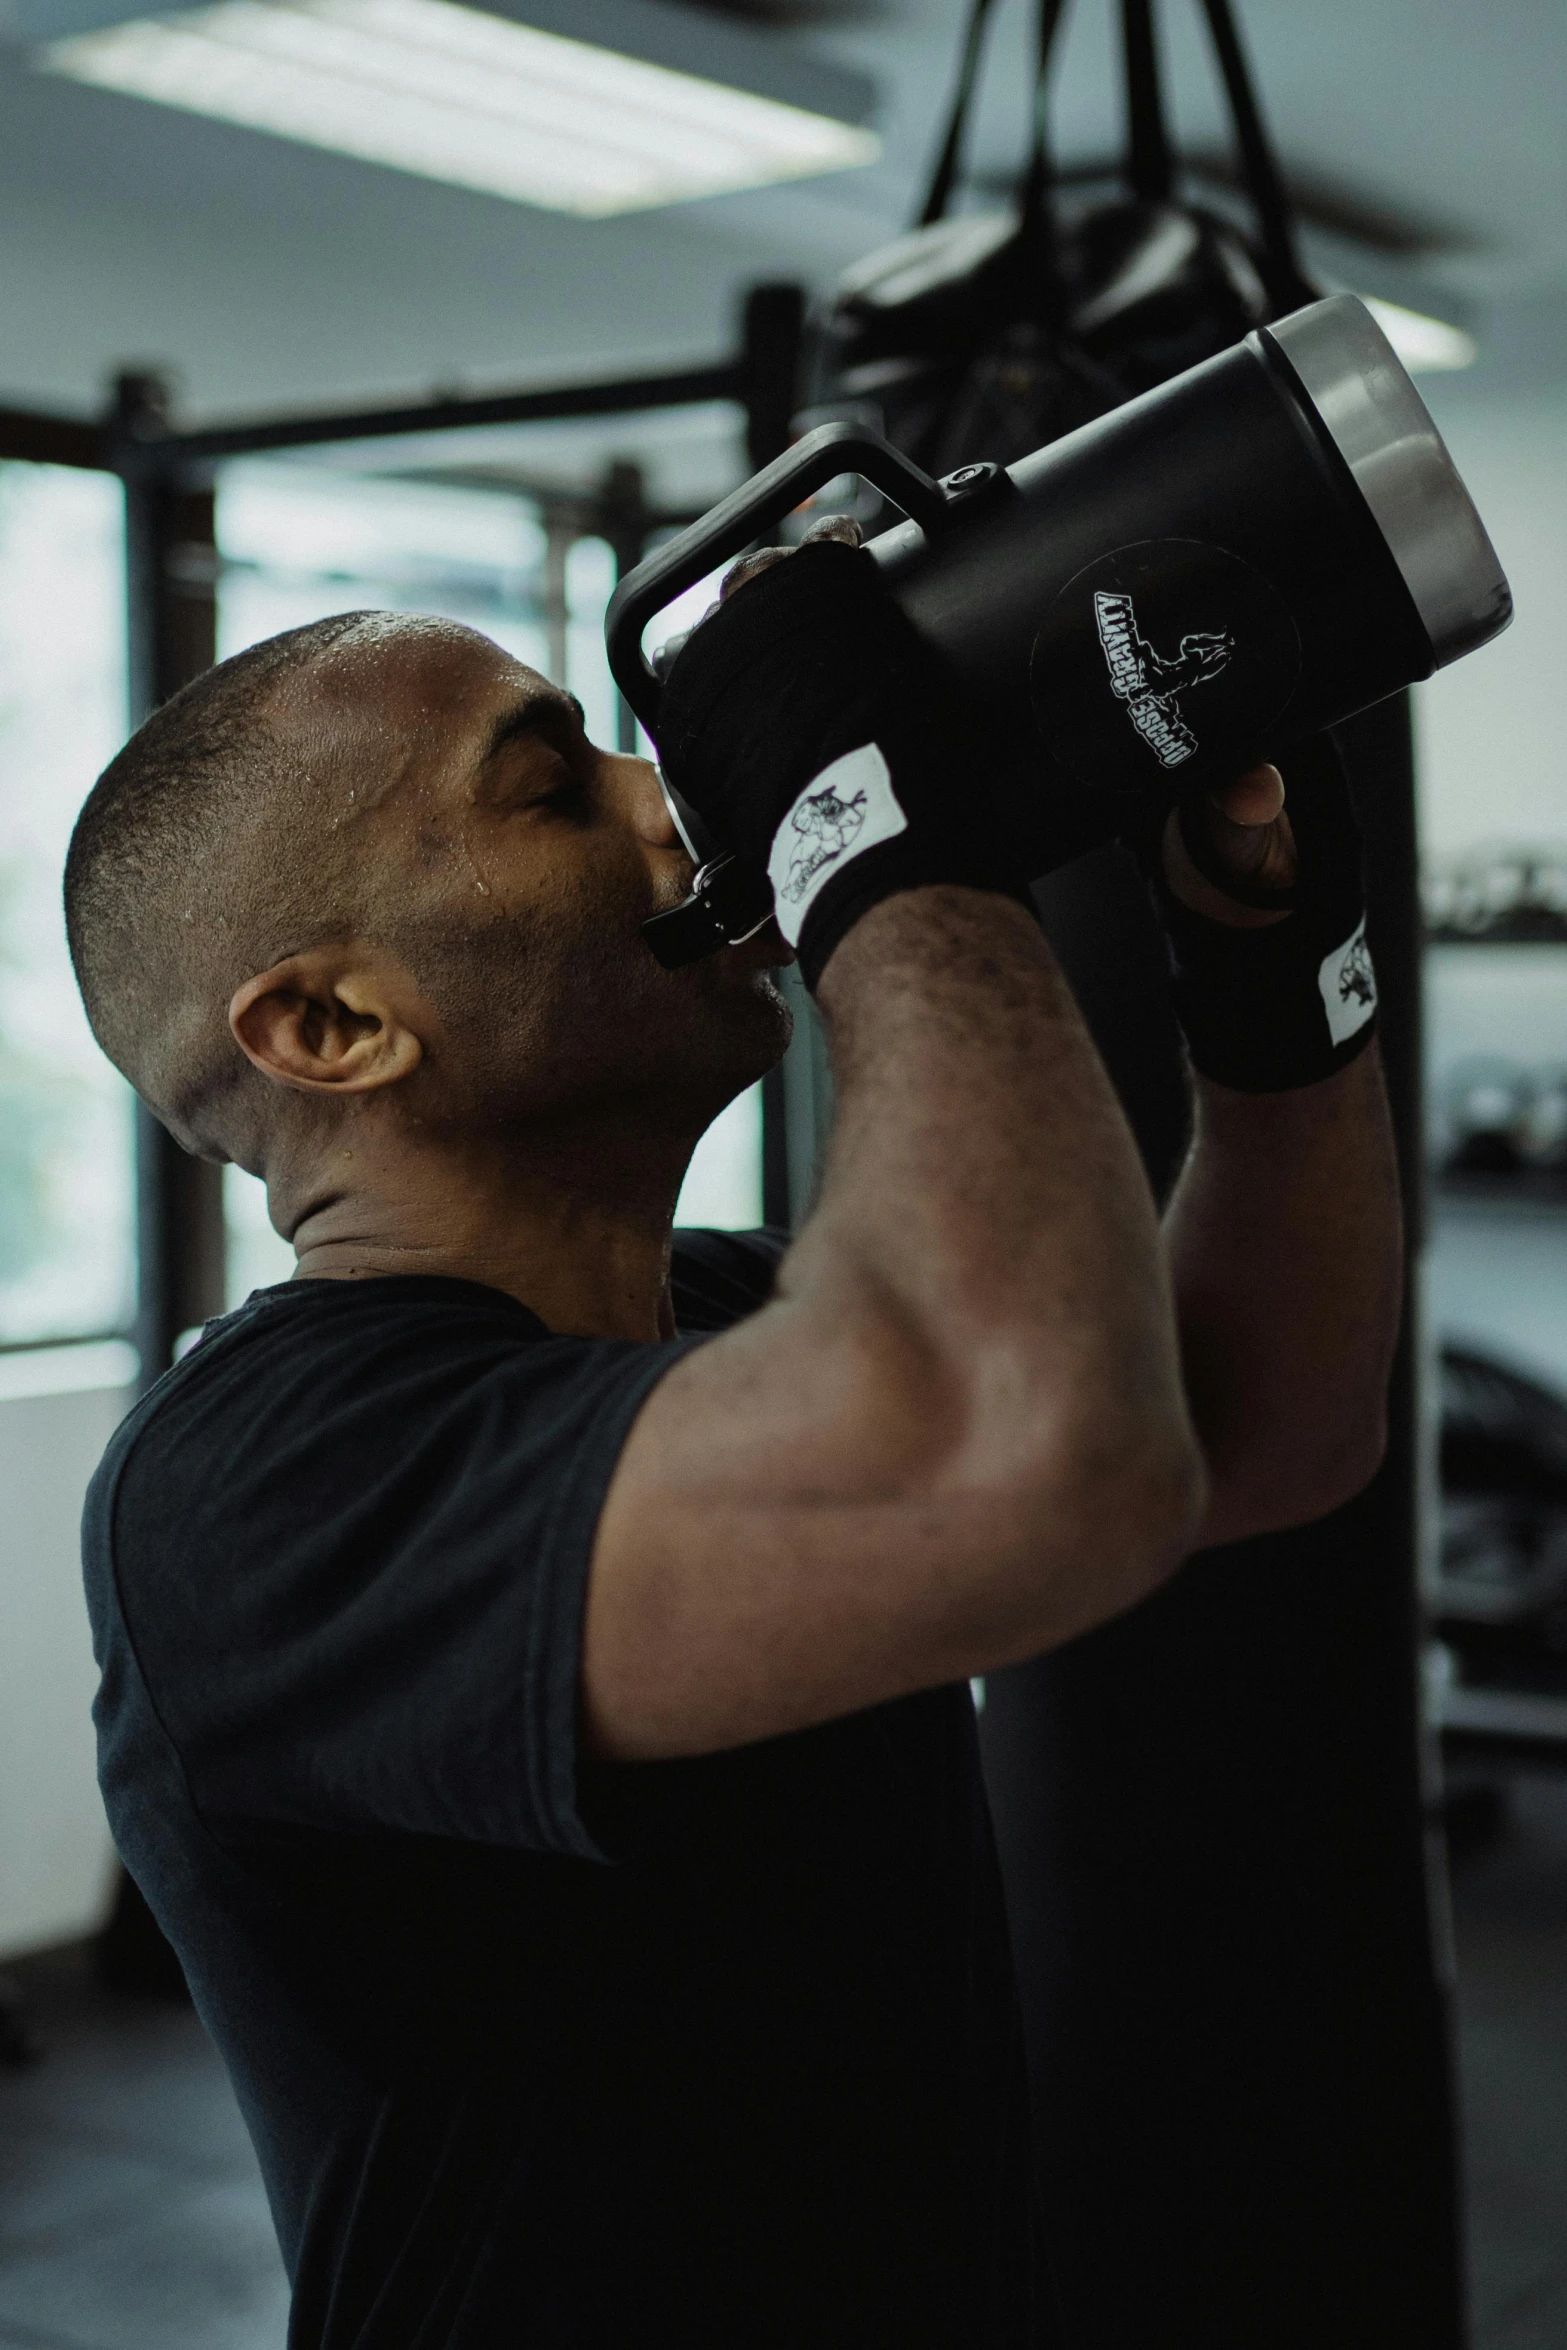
column 1210, row 1812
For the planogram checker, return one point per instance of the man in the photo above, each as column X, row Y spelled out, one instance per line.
column 535, row 1668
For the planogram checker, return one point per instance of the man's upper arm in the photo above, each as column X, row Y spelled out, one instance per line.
column 757, row 1563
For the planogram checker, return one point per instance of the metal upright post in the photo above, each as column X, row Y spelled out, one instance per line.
column 773, row 328
column 622, row 519
column 170, row 624
column 769, row 375
column 560, row 533
column 171, row 631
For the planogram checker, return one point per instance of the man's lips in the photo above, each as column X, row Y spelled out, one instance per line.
column 765, row 950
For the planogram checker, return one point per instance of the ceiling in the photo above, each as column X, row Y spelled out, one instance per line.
column 265, row 275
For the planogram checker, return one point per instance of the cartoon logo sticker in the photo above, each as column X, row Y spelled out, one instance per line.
column 826, row 825
column 1348, row 987
column 848, row 808
column 1150, row 685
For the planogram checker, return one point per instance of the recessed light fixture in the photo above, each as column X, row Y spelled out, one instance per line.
column 455, row 94
column 1427, row 346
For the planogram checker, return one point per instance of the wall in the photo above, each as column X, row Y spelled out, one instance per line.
column 55, row 1856
column 1493, row 728
column 1493, row 768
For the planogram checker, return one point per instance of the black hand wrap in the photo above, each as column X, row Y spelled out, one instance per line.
column 1265, row 1010
column 818, row 739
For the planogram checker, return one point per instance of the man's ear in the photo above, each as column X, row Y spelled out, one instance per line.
column 333, row 1020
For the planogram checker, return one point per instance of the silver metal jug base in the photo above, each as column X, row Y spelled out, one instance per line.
column 1383, row 430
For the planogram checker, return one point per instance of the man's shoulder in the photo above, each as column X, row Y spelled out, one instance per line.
column 327, row 1405
column 334, row 1417
column 356, row 1500
column 301, row 1340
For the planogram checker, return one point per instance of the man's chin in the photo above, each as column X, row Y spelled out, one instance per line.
column 743, row 1001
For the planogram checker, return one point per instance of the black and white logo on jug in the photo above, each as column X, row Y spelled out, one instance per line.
column 1150, row 684
column 1158, row 655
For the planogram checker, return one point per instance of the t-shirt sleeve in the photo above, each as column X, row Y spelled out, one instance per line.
column 354, row 1577
column 717, row 1278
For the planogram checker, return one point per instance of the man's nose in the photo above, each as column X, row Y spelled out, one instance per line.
column 637, row 787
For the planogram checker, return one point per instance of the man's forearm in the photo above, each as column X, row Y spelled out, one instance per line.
column 982, row 1177
column 1285, row 1247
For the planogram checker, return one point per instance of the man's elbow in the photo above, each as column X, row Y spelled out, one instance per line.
column 1158, row 1499
column 1340, row 1465
column 1118, row 1519
column 1296, row 1483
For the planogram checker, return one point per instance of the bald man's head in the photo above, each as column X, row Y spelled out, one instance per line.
column 398, row 781
column 211, row 845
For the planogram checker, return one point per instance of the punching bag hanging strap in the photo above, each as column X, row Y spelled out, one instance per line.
column 944, row 178
column 949, row 163
column 1149, row 166
column 1037, row 221
column 1287, row 284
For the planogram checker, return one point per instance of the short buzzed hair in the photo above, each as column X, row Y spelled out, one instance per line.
column 197, row 860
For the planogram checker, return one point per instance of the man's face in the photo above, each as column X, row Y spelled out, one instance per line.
column 511, row 866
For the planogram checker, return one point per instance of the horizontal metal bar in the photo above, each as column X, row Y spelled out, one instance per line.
column 558, row 403
column 53, row 440
column 1515, row 1750
column 1525, row 1714
column 61, row 440
column 34, row 1346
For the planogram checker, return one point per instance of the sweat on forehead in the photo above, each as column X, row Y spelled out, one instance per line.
column 389, row 659
column 376, row 637
column 399, row 686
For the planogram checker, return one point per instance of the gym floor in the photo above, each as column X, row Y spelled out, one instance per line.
column 1510, row 1916
column 132, row 2216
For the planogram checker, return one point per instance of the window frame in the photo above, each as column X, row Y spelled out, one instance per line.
column 171, row 579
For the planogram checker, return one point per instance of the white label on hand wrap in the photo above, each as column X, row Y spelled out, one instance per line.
column 1349, row 986
column 850, row 807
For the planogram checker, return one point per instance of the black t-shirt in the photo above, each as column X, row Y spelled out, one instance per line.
column 537, row 2053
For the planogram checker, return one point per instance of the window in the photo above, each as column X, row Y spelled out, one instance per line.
column 299, row 541
column 66, row 1153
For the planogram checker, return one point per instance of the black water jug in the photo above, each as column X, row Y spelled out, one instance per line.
column 1256, row 549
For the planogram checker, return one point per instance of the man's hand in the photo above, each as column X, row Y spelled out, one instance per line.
column 820, row 741
column 1249, row 834
column 1265, row 915
column 833, row 529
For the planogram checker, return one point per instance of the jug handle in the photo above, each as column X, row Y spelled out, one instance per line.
column 737, row 521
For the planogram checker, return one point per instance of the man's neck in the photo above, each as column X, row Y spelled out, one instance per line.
column 582, row 1238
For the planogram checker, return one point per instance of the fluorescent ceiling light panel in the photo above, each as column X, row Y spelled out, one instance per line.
column 1427, row 346
column 458, row 95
